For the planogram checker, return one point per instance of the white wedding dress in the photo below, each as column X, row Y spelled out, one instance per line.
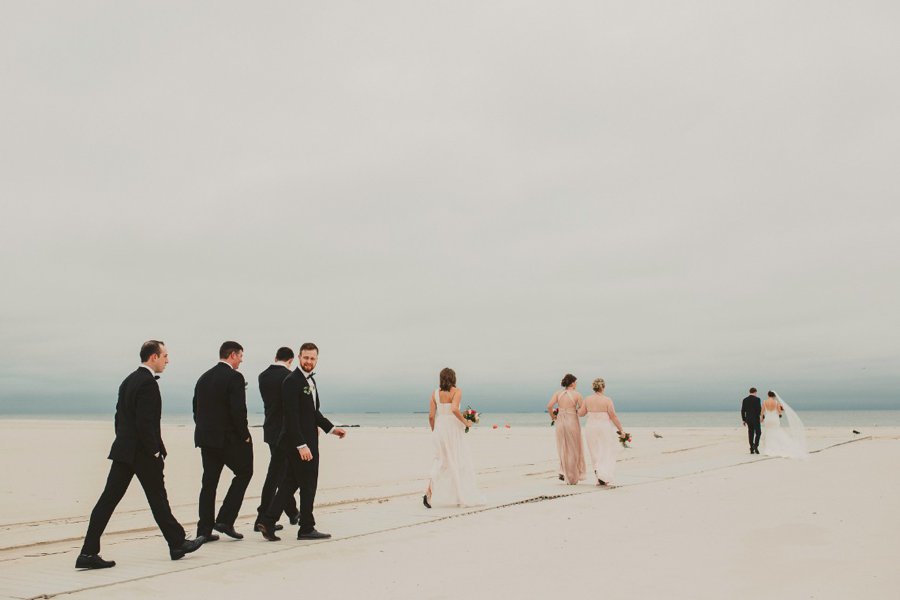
column 452, row 473
column 787, row 440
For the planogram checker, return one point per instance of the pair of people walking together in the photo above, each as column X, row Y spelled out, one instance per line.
column 601, row 431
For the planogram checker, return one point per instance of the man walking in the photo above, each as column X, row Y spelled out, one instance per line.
column 270, row 382
column 137, row 450
column 750, row 411
column 221, row 433
column 299, row 440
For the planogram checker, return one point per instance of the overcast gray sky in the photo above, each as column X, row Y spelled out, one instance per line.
column 685, row 198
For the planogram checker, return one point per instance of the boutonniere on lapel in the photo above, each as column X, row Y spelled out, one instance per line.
column 306, row 390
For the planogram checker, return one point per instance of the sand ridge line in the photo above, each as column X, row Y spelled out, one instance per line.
column 363, row 500
column 540, row 498
column 531, row 500
column 71, row 520
column 369, row 500
column 694, row 447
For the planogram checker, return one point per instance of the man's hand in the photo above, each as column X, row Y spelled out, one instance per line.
column 248, row 440
column 339, row 432
column 305, row 453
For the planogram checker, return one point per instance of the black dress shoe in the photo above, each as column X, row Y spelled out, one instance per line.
column 278, row 526
column 425, row 501
column 267, row 533
column 186, row 547
column 228, row 530
column 93, row 561
column 312, row 534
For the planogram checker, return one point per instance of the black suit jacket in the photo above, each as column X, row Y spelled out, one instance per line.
column 301, row 414
column 270, row 382
column 220, row 407
column 751, row 409
column 138, row 412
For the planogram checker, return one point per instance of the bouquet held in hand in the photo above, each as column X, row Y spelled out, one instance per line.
column 471, row 415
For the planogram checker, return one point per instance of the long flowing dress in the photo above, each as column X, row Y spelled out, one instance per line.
column 603, row 444
column 452, row 473
column 776, row 440
column 568, row 441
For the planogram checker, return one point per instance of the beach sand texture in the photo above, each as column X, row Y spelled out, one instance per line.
column 694, row 516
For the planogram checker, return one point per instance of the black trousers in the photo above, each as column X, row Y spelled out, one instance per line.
column 274, row 475
column 754, row 430
column 298, row 474
column 238, row 457
column 149, row 471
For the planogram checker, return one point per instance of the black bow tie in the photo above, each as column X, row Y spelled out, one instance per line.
column 156, row 377
column 310, row 375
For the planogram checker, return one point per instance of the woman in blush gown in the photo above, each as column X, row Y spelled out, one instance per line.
column 778, row 438
column 452, row 481
column 568, row 431
column 601, row 432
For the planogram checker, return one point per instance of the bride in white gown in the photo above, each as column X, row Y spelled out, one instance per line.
column 452, row 481
column 777, row 440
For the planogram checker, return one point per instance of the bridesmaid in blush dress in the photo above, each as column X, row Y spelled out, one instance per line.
column 452, row 481
column 568, row 431
column 602, row 438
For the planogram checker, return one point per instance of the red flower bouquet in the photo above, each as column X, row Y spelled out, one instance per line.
column 471, row 415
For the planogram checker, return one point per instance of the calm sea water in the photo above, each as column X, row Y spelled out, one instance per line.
column 811, row 418
column 825, row 418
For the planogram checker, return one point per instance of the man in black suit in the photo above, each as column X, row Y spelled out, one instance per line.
column 137, row 450
column 270, row 382
column 299, row 440
column 221, row 433
column 750, row 411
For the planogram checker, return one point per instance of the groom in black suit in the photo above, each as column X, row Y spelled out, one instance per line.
column 221, row 433
column 137, row 450
column 270, row 382
column 299, row 440
column 750, row 411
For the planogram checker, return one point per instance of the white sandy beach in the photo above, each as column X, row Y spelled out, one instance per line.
column 694, row 516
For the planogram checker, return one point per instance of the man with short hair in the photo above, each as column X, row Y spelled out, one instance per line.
column 299, row 440
column 270, row 382
column 221, row 433
column 750, row 411
column 137, row 450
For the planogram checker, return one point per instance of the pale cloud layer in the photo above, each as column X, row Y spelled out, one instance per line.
column 683, row 198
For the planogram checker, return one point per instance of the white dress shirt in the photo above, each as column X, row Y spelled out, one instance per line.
column 315, row 394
